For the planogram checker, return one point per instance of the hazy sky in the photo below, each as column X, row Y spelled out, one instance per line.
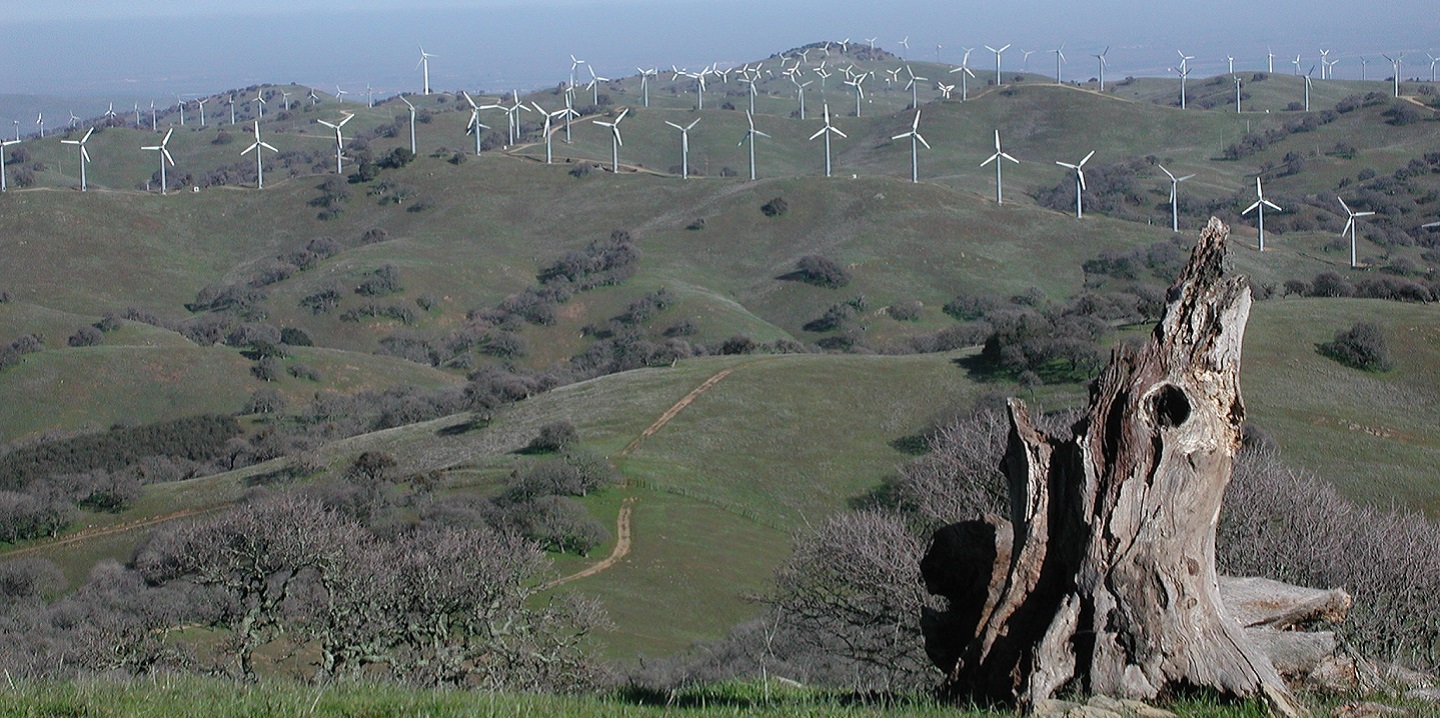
column 143, row 48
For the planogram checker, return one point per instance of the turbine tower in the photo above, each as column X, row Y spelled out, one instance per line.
column 201, row 103
column 615, row 141
column 1324, row 66
column 750, row 134
column 84, row 154
column 339, row 139
column 1260, row 204
column 645, row 76
column 964, row 69
column 916, row 139
column 474, row 126
column 1184, row 70
column 800, row 92
column 413, row 149
column 826, row 131
column 1079, row 168
column 1059, row 58
column 425, row 63
column 1396, row 62
column 1174, row 205
column 999, row 154
column 164, row 157
column 1307, row 87
column 685, row 146
column 913, row 87
column 997, row 60
column 259, row 108
column 574, row 63
column 549, row 121
column 1102, row 62
column 178, row 101
column 3, row 145
column 1350, row 227
column 40, row 120
column 1237, row 94
column 259, row 164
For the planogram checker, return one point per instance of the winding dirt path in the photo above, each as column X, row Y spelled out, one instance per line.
column 679, row 406
column 621, row 550
column 87, row 534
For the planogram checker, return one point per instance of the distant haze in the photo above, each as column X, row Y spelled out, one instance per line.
column 160, row 48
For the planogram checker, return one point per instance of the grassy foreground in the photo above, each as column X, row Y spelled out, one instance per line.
column 177, row 696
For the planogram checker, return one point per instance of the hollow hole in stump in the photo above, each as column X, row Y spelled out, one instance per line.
column 1170, row 406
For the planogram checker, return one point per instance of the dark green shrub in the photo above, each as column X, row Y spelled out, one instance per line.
column 1362, row 346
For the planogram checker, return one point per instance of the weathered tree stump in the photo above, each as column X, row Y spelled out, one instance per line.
column 1110, row 586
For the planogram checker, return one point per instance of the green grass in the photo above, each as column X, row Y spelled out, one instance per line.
column 185, row 696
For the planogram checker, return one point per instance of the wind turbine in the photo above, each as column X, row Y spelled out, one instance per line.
column 40, row 120
column 413, row 148
column 800, row 91
column 594, row 85
column 615, row 141
column 259, row 164
column 1270, row 64
column 285, row 99
column 750, row 134
column 916, row 139
column 1350, row 227
column 1364, row 68
column 944, row 89
column 999, row 154
column 1230, row 60
column 201, row 103
column 369, row 91
column 1261, row 203
column 871, row 40
column 549, row 119
column 1059, row 58
column 260, row 108
column 645, row 76
column 1396, row 62
column 569, row 111
column 1307, row 87
column 339, row 139
column 1174, row 205
column 905, row 43
column 164, row 157
column 514, row 112
column 137, row 118
column 1296, row 63
column 1184, row 74
column 84, row 154
column 1079, row 181
column 827, row 130
column 154, row 118
column 425, row 63
column 913, row 87
column 474, row 126
column 110, row 111
column 1025, row 60
column 685, row 147
column 314, row 100
column 340, row 94
column 699, row 78
column 73, row 119
column 1324, row 66
column 1102, row 62
column 1433, row 61
column 1237, row 94
column 3, row 145
column 964, row 69
column 574, row 63
column 751, row 91
column 232, row 105
column 997, row 60
column 178, row 101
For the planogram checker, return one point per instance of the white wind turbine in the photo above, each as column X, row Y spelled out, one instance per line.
column 1102, row 62
column 1396, row 62
column 73, row 119
column 370, row 93
column 1230, row 60
column 699, row 78
column 871, row 40
column 1364, row 68
column 997, row 60
column 154, row 118
column 826, row 131
column 178, row 101
column 645, row 76
column 1270, row 61
column 944, row 89
column 964, row 69
column 339, row 139
column 1433, row 61
column 137, row 116
column 913, row 87
column 905, row 43
column 514, row 111
column 1261, row 203
column 574, row 63
column 685, row 146
column 1237, row 94
column 751, row 134
column 164, row 157
column 232, row 106
column 201, row 102
column 1307, row 87
column 3, row 145
column 413, row 148
column 474, row 126
column 615, row 141
column 1184, row 70
column 1174, row 204
column 260, row 108
column 1059, row 59
column 1324, row 66
column 916, row 139
column 800, row 92
column 340, row 94
column 40, row 120
column 549, row 121
column 751, row 91
column 594, row 85
column 1025, row 59
column 311, row 95
column 285, row 99
column 425, row 63
column 1079, row 181
column 569, row 111
column 999, row 154
column 84, row 154
column 1350, row 227
column 1296, row 63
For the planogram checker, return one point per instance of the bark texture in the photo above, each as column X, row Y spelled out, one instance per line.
column 1107, row 584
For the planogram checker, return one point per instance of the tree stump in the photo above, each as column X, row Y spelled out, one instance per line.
column 1110, row 586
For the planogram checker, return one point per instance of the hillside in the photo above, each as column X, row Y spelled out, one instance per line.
column 422, row 272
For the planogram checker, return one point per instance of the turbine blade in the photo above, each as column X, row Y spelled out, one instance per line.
column 1087, row 158
column 921, row 137
column 1251, row 208
column 1272, row 205
column 1008, row 157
